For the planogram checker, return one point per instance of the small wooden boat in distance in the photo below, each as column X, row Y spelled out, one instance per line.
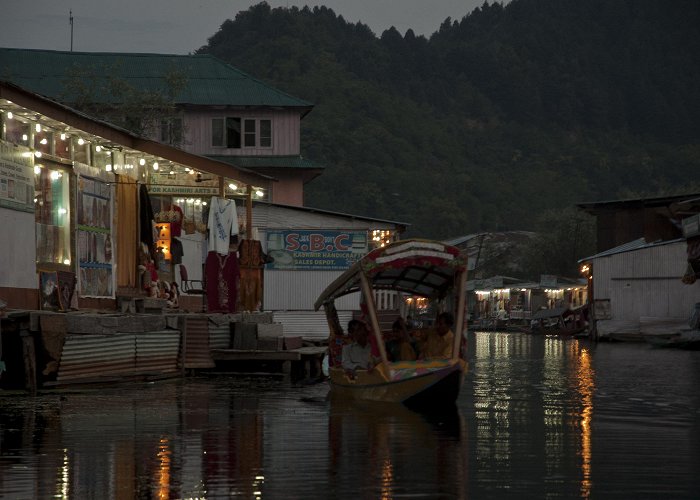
column 420, row 268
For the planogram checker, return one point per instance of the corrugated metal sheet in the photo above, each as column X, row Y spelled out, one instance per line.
column 196, row 336
column 308, row 323
column 260, row 218
column 157, row 351
column 269, row 216
column 298, row 290
column 90, row 356
column 219, row 336
column 645, row 282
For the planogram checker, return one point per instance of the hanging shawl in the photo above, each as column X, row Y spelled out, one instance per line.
column 146, row 219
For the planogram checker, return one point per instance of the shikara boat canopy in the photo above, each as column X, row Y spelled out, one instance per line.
column 418, row 267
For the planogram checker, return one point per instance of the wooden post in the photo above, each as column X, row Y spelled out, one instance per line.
column 29, row 355
column 183, row 346
column 459, row 317
column 249, row 213
column 369, row 299
column 334, row 329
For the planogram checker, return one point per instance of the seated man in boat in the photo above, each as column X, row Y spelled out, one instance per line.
column 400, row 344
column 439, row 341
column 358, row 354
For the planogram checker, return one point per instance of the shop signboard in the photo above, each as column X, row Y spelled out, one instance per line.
column 548, row 280
column 179, row 190
column 16, row 179
column 315, row 249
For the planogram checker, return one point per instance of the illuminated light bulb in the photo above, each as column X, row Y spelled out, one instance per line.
column 37, row 127
column 142, row 162
column 9, row 115
column 232, row 187
column 98, row 148
column 37, row 154
column 81, row 141
column 43, row 141
column 204, row 203
column 37, row 169
column 108, row 167
column 187, row 169
column 259, row 193
column 25, row 137
column 172, row 172
column 66, row 262
column 155, row 165
column 63, row 136
column 62, row 211
column 54, row 175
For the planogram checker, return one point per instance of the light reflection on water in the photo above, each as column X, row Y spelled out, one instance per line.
column 537, row 417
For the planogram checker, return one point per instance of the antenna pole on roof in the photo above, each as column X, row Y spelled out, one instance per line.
column 70, row 14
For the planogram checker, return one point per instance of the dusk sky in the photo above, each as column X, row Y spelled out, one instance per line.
column 182, row 26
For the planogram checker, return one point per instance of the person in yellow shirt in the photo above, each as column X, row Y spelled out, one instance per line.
column 439, row 341
column 401, row 345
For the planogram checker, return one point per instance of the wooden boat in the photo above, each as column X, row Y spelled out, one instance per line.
column 554, row 322
column 420, row 268
column 683, row 339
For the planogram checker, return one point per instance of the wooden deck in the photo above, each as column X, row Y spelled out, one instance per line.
column 299, row 363
column 257, row 355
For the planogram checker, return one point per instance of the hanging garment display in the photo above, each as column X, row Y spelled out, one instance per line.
column 222, row 282
column 222, row 224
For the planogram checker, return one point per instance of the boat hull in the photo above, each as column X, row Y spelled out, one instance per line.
column 413, row 383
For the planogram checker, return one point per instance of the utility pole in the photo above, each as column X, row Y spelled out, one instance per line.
column 70, row 14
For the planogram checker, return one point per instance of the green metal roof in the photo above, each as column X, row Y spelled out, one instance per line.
column 253, row 162
column 207, row 80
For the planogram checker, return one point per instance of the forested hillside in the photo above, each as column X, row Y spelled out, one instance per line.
column 496, row 117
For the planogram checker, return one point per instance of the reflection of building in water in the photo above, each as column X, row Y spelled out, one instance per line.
column 533, row 407
column 586, row 387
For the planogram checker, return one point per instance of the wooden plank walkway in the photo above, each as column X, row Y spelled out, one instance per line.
column 299, row 363
column 258, row 355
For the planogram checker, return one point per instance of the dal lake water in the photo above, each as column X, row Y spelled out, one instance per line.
column 538, row 417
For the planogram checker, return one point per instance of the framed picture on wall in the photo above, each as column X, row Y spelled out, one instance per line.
column 66, row 288
column 49, row 290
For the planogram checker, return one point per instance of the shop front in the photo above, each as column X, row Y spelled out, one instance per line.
column 87, row 207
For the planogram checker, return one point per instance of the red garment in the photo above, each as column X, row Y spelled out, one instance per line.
column 152, row 274
column 176, row 221
column 222, row 282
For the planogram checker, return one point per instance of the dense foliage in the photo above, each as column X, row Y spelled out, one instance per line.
column 496, row 119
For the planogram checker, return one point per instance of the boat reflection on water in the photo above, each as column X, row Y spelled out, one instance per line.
column 384, row 450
